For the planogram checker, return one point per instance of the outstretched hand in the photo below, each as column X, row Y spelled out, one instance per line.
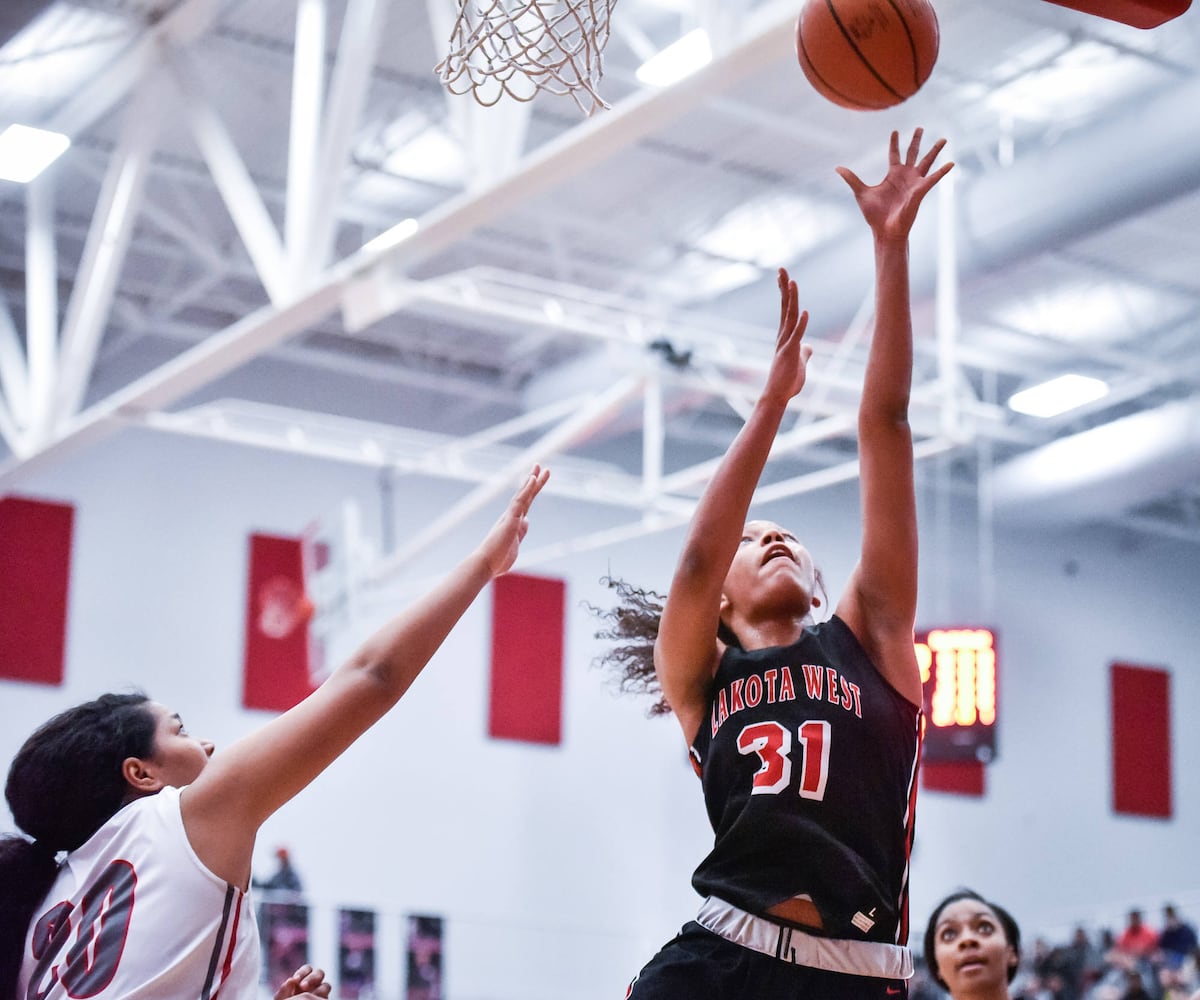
column 789, row 366
column 502, row 543
column 890, row 207
column 304, row 982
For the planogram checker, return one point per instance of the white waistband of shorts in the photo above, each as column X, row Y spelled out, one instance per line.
column 789, row 944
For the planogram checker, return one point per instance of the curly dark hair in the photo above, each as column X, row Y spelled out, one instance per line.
column 633, row 626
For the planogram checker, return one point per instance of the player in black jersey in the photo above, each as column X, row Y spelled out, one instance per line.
column 805, row 736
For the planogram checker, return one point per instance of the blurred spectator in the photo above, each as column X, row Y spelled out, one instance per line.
column 285, row 877
column 1082, row 963
column 282, row 920
column 1135, row 988
column 1137, row 940
column 1177, row 941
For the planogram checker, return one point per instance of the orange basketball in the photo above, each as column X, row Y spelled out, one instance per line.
column 867, row 54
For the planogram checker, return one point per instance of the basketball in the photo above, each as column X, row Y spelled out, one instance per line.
column 867, row 54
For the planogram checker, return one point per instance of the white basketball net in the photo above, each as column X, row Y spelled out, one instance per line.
column 518, row 47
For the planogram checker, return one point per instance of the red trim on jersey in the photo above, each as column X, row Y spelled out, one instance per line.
column 910, row 833
column 233, row 936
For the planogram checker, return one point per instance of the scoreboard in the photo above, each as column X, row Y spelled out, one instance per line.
column 958, row 675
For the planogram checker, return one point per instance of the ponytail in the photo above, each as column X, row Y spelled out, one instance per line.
column 27, row 871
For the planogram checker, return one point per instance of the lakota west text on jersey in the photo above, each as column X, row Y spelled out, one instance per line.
column 770, row 686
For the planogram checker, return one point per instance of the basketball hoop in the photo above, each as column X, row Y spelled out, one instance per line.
column 519, row 47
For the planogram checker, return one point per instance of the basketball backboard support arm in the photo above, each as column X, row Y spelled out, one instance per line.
column 1136, row 13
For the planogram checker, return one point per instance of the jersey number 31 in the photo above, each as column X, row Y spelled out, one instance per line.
column 773, row 744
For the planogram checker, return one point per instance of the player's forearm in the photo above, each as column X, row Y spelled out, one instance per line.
column 721, row 513
column 400, row 649
column 888, row 381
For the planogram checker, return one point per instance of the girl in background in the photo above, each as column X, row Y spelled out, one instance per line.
column 972, row 947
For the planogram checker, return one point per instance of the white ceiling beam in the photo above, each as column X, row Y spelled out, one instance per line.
column 41, row 304
column 575, row 428
column 362, row 30
column 531, row 420
column 104, row 252
column 14, row 374
column 843, row 473
column 304, row 136
column 653, row 436
column 10, row 433
column 211, row 358
column 651, row 523
column 185, row 22
column 232, row 178
column 947, row 322
column 799, row 436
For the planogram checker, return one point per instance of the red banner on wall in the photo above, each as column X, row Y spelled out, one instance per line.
column 35, row 572
column 276, row 674
column 962, row 777
column 1141, row 740
column 527, row 659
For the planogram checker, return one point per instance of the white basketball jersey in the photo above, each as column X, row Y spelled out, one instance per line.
column 134, row 915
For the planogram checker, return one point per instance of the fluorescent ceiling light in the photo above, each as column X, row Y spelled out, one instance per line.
column 1091, row 311
column 1050, row 84
column 1058, row 395
column 773, row 230
column 680, row 59
column 432, row 156
column 390, row 237
column 25, row 152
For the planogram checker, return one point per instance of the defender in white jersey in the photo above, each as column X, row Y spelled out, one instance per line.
column 121, row 891
column 149, row 900
column 806, row 736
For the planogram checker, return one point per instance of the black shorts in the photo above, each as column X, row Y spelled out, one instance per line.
column 700, row 965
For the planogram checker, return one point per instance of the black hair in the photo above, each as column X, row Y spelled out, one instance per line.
column 633, row 626
column 63, row 785
column 1012, row 932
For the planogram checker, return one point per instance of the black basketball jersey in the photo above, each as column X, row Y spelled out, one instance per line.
column 809, row 761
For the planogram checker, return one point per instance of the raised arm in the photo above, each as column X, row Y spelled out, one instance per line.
column 685, row 655
column 246, row 783
column 880, row 601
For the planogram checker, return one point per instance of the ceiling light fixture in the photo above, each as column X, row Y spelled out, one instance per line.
column 391, row 237
column 25, row 152
column 1067, row 392
column 680, row 59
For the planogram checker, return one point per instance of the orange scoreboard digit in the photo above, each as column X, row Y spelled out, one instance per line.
column 958, row 672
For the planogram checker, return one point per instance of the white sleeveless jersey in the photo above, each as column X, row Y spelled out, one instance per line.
column 134, row 915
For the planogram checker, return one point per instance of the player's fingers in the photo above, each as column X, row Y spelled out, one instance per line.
column 928, row 158
column 782, row 279
column 914, row 145
column 933, row 178
column 851, row 178
column 791, row 300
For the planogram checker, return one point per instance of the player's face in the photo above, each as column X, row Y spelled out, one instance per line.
column 971, row 950
column 178, row 757
column 771, row 572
